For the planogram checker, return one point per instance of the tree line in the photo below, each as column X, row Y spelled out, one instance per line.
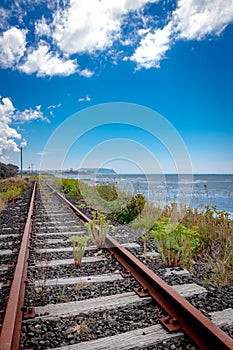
column 8, row 170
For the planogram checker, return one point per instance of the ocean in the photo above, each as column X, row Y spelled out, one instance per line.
column 193, row 190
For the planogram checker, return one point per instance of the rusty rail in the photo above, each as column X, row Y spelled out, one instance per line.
column 200, row 329
column 182, row 314
column 11, row 326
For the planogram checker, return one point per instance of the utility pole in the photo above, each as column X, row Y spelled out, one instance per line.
column 21, row 161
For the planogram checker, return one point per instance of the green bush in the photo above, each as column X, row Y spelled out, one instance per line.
column 71, row 187
column 107, row 192
column 11, row 189
column 131, row 210
column 175, row 242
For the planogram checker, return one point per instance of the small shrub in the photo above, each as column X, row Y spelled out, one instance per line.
column 98, row 228
column 107, row 192
column 11, row 189
column 79, row 244
column 131, row 210
column 71, row 187
column 175, row 242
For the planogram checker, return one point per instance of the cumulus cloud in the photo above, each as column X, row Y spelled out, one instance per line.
column 191, row 20
column 43, row 62
column 114, row 30
column 194, row 19
column 29, row 115
column 12, row 47
column 8, row 134
column 152, row 48
column 87, row 26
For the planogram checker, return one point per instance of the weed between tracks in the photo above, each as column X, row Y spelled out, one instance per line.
column 41, row 287
column 79, row 244
column 98, row 228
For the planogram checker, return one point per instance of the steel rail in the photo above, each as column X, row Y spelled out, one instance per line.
column 12, row 322
column 200, row 329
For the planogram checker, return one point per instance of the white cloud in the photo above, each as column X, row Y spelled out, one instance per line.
column 89, row 26
column 8, row 116
column 152, row 48
column 46, row 63
column 6, row 110
column 194, row 19
column 42, row 28
column 191, row 20
column 4, row 17
column 85, row 73
column 23, row 144
column 12, row 47
column 54, row 106
column 7, row 133
column 76, row 27
column 84, row 99
column 29, row 114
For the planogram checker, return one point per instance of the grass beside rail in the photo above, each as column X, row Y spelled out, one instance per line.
column 194, row 235
column 11, row 189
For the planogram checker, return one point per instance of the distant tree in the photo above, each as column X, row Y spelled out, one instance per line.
column 8, row 170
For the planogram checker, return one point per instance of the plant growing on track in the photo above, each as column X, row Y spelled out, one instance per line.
column 79, row 244
column 144, row 222
column 175, row 242
column 81, row 329
column 145, row 238
column 98, row 227
column 42, row 276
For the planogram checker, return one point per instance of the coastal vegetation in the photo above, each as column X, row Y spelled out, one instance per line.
column 184, row 235
column 194, row 235
column 175, row 242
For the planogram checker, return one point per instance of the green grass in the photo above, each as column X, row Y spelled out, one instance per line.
column 11, row 189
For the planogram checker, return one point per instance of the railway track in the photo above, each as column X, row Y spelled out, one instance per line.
column 113, row 301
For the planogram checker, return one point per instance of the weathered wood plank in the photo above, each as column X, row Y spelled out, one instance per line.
column 224, row 317
column 189, row 289
column 90, row 305
column 88, row 259
column 70, row 249
column 126, row 341
column 76, row 280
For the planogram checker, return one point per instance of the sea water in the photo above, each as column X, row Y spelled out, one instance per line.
column 191, row 190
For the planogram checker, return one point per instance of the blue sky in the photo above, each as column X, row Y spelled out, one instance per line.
column 67, row 58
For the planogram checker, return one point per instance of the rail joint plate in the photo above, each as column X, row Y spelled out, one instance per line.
column 171, row 324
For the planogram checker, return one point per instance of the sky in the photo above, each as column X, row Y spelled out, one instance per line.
column 134, row 85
